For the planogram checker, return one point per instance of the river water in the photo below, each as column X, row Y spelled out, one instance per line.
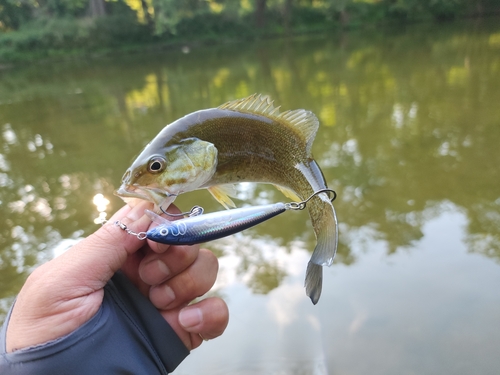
column 409, row 139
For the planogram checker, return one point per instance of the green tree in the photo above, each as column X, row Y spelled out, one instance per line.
column 64, row 8
column 169, row 13
column 13, row 13
column 418, row 9
column 340, row 7
column 260, row 13
column 96, row 8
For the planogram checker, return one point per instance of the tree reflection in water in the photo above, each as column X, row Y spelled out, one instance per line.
column 409, row 129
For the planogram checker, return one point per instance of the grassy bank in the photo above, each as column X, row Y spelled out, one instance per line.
column 68, row 37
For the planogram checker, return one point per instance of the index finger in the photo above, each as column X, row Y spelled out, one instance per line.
column 92, row 261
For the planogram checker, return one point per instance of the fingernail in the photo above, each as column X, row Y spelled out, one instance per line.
column 132, row 202
column 169, row 295
column 138, row 211
column 190, row 317
column 163, row 267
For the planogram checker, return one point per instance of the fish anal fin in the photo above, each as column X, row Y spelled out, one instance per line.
column 304, row 122
column 221, row 193
column 289, row 193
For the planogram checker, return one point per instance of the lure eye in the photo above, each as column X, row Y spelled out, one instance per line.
column 156, row 165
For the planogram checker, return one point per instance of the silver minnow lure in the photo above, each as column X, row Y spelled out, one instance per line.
column 208, row 227
column 199, row 227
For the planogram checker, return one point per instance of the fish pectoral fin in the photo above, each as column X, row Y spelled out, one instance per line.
column 289, row 193
column 221, row 193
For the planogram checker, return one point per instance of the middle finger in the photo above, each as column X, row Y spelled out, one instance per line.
column 156, row 268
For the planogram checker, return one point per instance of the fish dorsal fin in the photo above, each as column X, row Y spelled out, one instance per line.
column 305, row 122
column 255, row 103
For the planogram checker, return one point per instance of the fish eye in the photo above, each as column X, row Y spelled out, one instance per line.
column 156, row 165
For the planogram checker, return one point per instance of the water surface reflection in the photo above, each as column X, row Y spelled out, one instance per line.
column 409, row 140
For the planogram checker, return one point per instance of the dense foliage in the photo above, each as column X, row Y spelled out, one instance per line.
column 41, row 28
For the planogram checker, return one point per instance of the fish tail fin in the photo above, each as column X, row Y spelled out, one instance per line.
column 325, row 227
column 314, row 281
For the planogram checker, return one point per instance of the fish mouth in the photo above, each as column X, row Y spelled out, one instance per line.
column 158, row 196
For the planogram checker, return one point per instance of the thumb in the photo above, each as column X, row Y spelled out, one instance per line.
column 94, row 260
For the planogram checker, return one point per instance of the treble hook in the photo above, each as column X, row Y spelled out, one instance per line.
column 301, row 205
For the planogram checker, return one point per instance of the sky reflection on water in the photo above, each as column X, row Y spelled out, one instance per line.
column 409, row 140
column 426, row 309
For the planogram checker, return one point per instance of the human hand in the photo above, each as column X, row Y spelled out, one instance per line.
column 63, row 294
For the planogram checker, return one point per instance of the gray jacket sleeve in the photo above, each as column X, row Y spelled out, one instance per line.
column 126, row 336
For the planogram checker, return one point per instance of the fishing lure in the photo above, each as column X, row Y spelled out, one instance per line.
column 198, row 227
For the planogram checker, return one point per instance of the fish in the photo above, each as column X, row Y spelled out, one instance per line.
column 244, row 140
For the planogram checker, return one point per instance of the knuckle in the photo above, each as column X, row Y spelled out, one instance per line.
column 186, row 255
column 218, row 317
column 210, row 259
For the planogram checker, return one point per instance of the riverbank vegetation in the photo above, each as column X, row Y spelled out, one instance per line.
column 38, row 29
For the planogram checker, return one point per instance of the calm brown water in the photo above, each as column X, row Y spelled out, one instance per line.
column 409, row 139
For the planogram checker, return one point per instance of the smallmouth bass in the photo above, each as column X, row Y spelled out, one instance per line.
column 245, row 140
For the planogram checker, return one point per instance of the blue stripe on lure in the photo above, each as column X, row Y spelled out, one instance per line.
column 199, row 227
column 209, row 227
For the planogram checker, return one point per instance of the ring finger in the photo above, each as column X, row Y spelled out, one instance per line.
column 193, row 282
